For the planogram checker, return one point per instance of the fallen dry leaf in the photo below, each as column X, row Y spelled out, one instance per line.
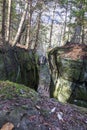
column 38, row 107
column 7, row 126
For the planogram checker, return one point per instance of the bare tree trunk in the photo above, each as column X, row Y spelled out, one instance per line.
column 69, row 23
column 37, row 32
column 21, row 33
column 76, row 37
column 80, row 27
column 8, row 21
column 20, row 25
column 65, row 21
column 83, row 34
column 29, row 25
column 3, row 21
column 51, row 30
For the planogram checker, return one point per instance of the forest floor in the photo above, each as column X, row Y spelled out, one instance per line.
column 45, row 114
column 24, row 109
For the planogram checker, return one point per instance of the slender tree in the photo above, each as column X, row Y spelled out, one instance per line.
column 8, row 20
column 83, row 20
column 3, row 20
column 20, row 24
column 29, row 24
column 78, row 14
column 69, row 25
column 37, row 31
column 40, row 8
column 65, row 22
column 51, row 29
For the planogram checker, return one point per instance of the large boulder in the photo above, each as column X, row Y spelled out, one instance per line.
column 23, row 109
column 68, row 67
column 19, row 65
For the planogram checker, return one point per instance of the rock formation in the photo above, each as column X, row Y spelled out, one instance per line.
column 68, row 68
column 19, row 65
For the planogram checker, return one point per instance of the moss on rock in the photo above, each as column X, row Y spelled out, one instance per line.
column 9, row 90
column 68, row 67
column 20, row 66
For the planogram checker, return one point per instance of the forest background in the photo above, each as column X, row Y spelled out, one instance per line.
column 40, row 24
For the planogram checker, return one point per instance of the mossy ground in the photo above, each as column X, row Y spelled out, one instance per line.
column 9, row 90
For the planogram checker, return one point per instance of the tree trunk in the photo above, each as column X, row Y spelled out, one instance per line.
column 76, row 36
column 51, row 30
column 83, row 34
column 8, row 20
column 3, row 21
column 21, row 33
column 29, row 25
column 69, row 23
column 65, row 21
column 38, row 28
column 20, row 25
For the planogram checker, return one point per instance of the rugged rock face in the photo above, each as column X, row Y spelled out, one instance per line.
column 68, row 67
column 18, row 65
column 23, row 109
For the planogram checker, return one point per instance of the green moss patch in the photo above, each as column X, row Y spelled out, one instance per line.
column 9, row 90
